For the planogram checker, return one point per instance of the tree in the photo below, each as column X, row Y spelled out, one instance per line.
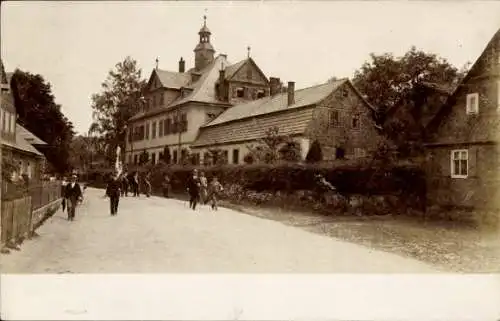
column 394, row 83
column 291, row 151
column 120, row 99
column 38, row 113
column 268, row 149
column 315, row 154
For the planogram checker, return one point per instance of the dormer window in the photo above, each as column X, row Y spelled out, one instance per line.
column 472, row 103
column 261, row 94
column 240, row 92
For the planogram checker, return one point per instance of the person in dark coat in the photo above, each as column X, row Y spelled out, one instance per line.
column 135, row 184
column 193, row 188
column 64, row 182
column 113, row 192
column 73, row 195
column 125, row 184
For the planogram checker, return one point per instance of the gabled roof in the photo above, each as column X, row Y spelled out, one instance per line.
column 279, row 102
column 232, row 70
column 171, row 79
column 29, row 136
column 445, row 109
column 202, row 90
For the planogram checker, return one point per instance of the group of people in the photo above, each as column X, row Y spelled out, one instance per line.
column 200, row 190
column 119, row 185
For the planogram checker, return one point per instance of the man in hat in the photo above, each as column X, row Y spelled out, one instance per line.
column 73, row 195
column 113, row 192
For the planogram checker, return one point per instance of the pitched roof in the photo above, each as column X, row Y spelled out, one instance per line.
column 277, row 103
column 29, row 136
column 202, row 90
column 21, row 143
column 232, row 69
column 174, row 80
column 446, row 107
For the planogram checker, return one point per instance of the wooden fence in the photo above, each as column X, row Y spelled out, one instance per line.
column 20, row 212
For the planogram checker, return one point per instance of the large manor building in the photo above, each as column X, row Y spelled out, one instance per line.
column 223, row 105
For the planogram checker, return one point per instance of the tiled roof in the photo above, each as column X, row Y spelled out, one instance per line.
column 250, row 121
column 270, row 104
column 289, row 123
column 232, row 69
column 29, row 136
column 172, row 79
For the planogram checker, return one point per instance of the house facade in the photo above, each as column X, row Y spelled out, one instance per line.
column 335, row 114
column 17, row 142
column 463, row 148
column 178, row 103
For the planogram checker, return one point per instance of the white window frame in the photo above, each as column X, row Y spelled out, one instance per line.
column 468, row 108
column 12, row 123
column 460, row 153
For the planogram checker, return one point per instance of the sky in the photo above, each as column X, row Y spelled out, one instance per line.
column 74, row 45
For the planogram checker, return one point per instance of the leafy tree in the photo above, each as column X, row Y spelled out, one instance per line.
column 215, row 157
column 120, row 99
column 291, row 151
column 394, row 83
column 38, row 112
column 268, row 149
column 315, row 154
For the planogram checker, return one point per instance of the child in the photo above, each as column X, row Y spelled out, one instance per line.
column 215, row 189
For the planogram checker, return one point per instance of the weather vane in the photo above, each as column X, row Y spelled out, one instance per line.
column 157, row 61
column 248, row 51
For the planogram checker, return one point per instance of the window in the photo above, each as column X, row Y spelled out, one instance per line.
column 472, row 104
column 334, row 118
column 153, row 158
column 147, row 130
column 160, row 128
column 225, row 156
column 135, row 159
column 459, row 163
column 355, row 121
column 153, row 130
column 184, row 123
column 359, row 153
column 240, row 92
column 236, row 156
column 345, row 93
column 162, row 99
column 3, row 120
column 168, row 126
column 261, row 94
column 206, row 158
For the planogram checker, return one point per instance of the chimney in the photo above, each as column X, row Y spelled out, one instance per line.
column 291, row 93
column 274, row 85
column 182, row 65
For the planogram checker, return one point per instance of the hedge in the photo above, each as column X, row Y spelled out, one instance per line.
column 365, row 178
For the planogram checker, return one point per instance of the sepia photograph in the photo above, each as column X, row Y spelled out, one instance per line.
column 341, row 139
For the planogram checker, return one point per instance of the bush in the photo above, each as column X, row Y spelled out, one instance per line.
column 315, row 154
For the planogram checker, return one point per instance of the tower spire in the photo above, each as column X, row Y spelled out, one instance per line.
column 204, row 51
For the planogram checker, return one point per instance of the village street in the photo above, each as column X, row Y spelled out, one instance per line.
column 158, row 235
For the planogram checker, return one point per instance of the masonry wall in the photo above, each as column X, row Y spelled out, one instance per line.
column 347, row 103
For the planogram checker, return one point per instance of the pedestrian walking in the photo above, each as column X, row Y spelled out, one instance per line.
column 193, row 188
column 73, row 195
column 203, row 188
column 147, row 183
column 135, row 183
column 124, row 184
column 215, row 189
column 166, row 185
column 64, row 182
column 113, row 192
